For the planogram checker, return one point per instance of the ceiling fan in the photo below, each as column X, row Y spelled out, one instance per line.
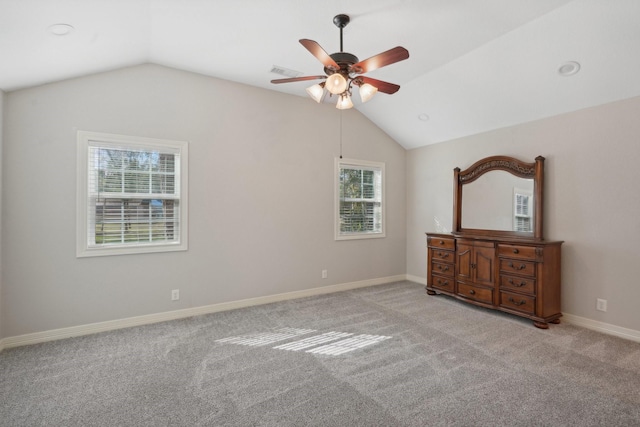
column 343, row 70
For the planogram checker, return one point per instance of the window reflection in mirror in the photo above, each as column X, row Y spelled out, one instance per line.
column 500, row 201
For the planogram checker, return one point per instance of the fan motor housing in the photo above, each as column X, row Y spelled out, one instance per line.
column 344, row 60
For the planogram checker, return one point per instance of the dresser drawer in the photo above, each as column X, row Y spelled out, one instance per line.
column 442, row 255
column 525, row 268
column 444, row 283
column 441, row 243
column 475, row 293
column 522, row 303
column 442, row 268
column 520, row 284
column 517, row 251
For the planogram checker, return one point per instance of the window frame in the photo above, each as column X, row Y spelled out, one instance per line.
column 85, row 140
column 339, row 164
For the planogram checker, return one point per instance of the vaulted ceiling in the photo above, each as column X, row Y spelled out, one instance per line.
column 473, row 66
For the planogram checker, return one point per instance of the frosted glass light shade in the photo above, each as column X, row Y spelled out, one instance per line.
column 367, row 91
column 336, row 83
column 316, row 92
column 344, row 103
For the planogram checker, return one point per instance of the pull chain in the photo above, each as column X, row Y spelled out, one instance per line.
column 340, row 133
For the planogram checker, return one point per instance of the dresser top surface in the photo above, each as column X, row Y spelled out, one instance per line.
column 502, row 239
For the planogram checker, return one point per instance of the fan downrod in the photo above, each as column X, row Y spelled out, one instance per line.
column 341, row 21
column 342, row 58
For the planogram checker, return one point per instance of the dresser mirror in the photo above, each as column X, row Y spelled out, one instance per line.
column 499, row 196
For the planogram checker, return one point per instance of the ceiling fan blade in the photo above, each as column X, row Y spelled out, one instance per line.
column 317, row 51
column 297, row 79
column 384, row 87
column 380, row 60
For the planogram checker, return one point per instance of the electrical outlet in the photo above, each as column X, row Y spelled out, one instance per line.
column 601, row 304
column 324, row 274
column 175, row 295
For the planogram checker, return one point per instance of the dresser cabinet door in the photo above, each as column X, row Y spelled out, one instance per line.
column 464, row 262
column 484, row 266
column 475, row 263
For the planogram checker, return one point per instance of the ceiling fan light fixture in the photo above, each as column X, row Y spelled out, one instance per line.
column 367, row 91
column 344, row 103
column 342, row 71
column 316, row 92
column 336, row 83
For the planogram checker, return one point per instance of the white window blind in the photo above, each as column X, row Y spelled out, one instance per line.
column 360, row 208
column 522, row 211
column 133, row 198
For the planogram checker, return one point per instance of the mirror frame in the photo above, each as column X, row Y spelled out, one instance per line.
column 515, row 167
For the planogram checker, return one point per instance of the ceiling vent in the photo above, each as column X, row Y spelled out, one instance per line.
column 285, row 71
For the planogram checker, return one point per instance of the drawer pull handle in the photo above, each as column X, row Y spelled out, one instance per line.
column 472, row 292
column 515, row 251
column 443, row 254
column 441, row 283
column 512, row 283
column 445, row 268
column 514, row 302
column 442, row 242
column 520, row 267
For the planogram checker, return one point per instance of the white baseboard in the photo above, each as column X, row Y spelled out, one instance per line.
column 92, row 328
column 416, row 279
column 606, row 328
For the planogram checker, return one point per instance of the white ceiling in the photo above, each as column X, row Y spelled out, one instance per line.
column 474, row 65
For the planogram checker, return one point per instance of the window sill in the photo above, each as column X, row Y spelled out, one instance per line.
column 129, row 250
column 359, row 236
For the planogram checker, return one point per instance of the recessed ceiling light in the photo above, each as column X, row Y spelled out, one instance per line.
column 60, row 29
column 423, row 117
column 569, row 68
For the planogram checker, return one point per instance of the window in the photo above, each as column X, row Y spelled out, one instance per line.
column 359, row 199
column 132, row 195
column 522, row 201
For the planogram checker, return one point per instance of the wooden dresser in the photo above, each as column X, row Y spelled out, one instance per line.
column 520, row 277
column 495, row 256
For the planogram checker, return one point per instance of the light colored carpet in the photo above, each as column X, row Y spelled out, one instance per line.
column 428, row 360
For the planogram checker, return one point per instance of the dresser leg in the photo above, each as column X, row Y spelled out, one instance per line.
column 555, row 322
column 430, row 292
column 541, row 325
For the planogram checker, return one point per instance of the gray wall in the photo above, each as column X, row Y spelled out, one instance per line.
column 2, row 96
column 260, row 192
column 591, row 201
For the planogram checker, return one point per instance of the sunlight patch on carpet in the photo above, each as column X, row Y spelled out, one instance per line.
column 266, row 338
column 313, row 341
column 332, row 343
column 350, row 344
